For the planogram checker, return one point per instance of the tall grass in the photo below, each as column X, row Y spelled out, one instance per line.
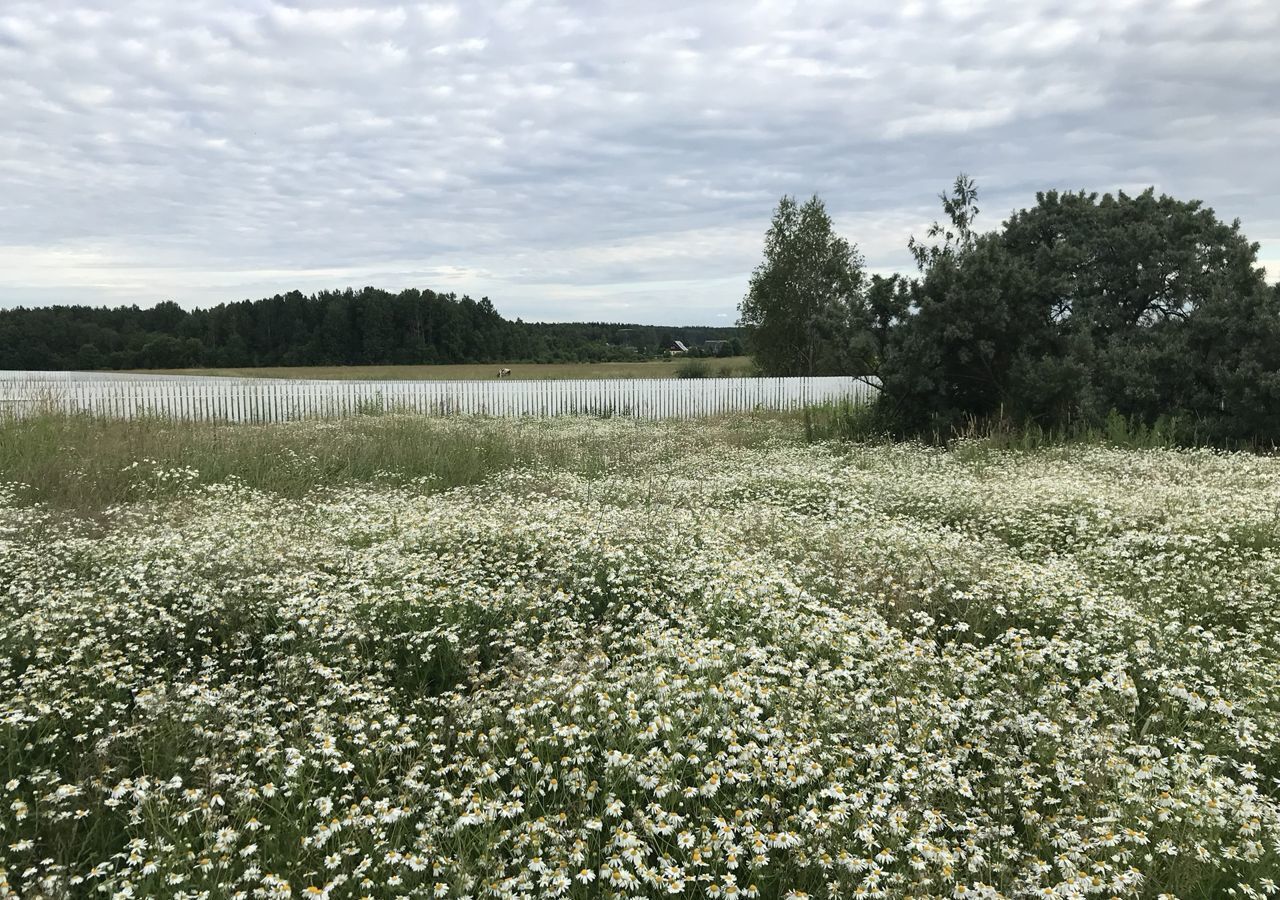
column 1114, row 431
column 846, row 420
column 872, row 422
column 693, row 368
column 83, row 462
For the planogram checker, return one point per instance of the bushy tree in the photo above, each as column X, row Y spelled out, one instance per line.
column 801, row 307
column 1081, row 307
column 966, row 352
column 1233, row 348
column 1127, row 276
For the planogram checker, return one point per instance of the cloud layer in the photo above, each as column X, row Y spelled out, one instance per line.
column 608, row 160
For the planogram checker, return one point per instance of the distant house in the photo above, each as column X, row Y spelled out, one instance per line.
column 714, row 347
column 677, row 347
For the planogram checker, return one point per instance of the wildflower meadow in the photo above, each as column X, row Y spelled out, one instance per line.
column 693, row 660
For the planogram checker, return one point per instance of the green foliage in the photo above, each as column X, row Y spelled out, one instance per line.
column 961, row 207
column 1113, row 431
column 847, row 420
column 693, row 368
column 887, row 303
column 1145, row 306
column 801, row 307
column 331, row 328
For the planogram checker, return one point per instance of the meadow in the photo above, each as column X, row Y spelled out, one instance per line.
column 672, row 367
column 393, row 656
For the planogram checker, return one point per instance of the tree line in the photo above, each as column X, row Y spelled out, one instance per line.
column 329, row 328
column 1074, row 311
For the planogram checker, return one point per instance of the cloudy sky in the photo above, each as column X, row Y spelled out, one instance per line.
column 602, row 160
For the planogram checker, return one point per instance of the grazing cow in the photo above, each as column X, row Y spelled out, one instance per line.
column 503, row 373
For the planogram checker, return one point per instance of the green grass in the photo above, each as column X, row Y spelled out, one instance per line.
column 658, row 368
column 80, row 462
column 83, row 463
column 874, row 422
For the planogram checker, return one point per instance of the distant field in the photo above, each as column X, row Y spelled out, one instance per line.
column 666, row 368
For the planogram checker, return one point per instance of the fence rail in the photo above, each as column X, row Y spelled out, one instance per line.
column 187, row 397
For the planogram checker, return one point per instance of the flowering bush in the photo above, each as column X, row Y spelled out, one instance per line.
column 730, row 672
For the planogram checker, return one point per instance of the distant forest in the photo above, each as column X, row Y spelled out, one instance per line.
column 365, row 327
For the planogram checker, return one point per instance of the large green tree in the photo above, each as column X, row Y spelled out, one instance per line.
column 1082, row 305
column 1127, row 278
column 804, row 302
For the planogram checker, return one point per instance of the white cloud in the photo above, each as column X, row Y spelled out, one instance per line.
column 585, row 160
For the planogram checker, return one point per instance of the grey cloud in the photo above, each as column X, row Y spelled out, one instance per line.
column 574, row 159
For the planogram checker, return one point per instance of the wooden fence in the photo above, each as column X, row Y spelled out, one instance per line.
column 273, row 400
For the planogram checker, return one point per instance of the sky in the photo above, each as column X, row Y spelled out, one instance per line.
column 588, row 160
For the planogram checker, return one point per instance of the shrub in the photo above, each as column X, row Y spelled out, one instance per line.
column 693, row 368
